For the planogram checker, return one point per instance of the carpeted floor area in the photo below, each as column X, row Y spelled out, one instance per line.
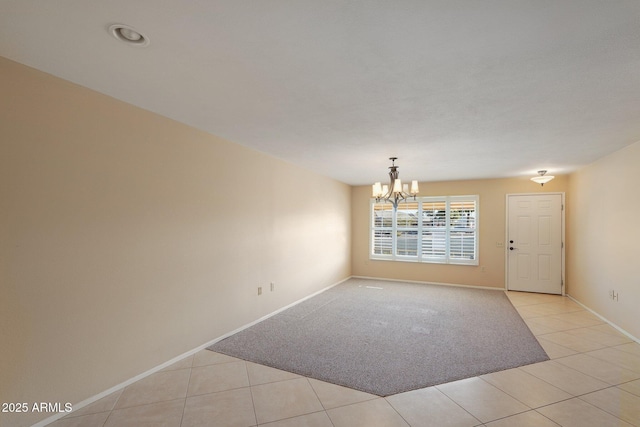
column 389, row 337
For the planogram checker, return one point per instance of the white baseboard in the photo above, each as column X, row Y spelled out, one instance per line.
column 604, row 319
column 170, row 362
column 430, row 283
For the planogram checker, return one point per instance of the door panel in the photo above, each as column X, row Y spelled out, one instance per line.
column 524, row 265
column 535, row 243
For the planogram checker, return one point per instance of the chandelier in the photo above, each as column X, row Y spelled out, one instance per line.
column 395, row 192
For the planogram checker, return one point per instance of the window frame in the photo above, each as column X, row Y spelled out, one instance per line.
column 421, row 227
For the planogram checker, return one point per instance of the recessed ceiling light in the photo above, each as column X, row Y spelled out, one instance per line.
column 128, row 35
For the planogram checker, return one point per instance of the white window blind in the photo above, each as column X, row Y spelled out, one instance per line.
column 429, row 229
column 382, row 229
column 407, row 229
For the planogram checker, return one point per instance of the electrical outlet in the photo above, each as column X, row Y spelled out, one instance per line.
column 259, row 290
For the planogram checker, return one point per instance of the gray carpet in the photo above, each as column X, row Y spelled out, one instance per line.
column 389, row 337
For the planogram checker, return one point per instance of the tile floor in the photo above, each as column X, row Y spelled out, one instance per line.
column 592, row 379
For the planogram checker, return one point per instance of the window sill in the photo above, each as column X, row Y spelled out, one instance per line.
column 423, row 261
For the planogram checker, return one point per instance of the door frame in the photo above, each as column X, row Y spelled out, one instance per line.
column 562, row 226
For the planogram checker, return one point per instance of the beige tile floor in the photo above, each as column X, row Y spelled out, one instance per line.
column 592, row 379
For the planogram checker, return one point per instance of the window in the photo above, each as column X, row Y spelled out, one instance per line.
column 429, row 229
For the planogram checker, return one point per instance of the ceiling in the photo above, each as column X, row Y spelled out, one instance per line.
column 456, row 89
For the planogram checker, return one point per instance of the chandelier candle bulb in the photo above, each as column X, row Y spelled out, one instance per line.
column 377, row 190
column 414, row 187
column 397, row 186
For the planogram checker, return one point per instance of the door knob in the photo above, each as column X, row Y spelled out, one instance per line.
column 511, row 248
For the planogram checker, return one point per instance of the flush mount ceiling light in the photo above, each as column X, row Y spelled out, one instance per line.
column 129, row 35
column 395, row 192
column 542, row 179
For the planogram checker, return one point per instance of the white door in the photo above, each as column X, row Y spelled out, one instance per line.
column 534, row 243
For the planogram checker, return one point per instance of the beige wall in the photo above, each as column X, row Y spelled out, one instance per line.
column 492, row 194
column 128, row 239
column 603, row 237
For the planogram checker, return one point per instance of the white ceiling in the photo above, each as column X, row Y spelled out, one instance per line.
column 457, row 89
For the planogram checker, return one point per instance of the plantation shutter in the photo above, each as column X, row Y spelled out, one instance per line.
column 430, row 229
column 382, row 229
column 407, row 218
column 462, row 229
column 434, row 227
